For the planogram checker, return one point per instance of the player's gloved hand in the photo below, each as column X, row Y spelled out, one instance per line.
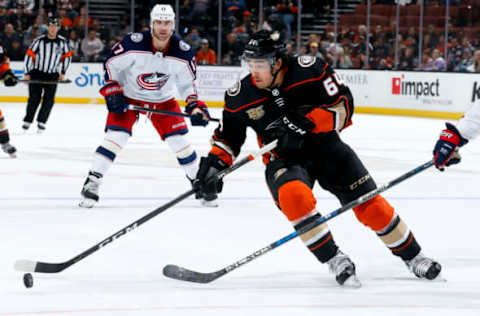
column 445, row 152
column 114, row 97
column 198, row 112
column 290, row 131
column 9, row 78
column 207, row 185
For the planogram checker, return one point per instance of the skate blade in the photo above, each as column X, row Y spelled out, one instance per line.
column 13, row 155
column 209, row 203
column 352, row 282
column 87, row 203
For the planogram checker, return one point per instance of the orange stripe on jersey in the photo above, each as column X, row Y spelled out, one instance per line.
column 69, row 54
column 4, row 68
column 1, row 114
column 246, row 105
column 222, row 154
column 31, row 53
column 324, row 120
column 296, row 199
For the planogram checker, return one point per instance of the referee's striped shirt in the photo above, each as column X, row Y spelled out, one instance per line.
column 48, row 55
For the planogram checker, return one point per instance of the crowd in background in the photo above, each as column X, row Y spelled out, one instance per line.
column 24, row 20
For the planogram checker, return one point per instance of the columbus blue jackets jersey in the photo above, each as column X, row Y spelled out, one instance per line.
column 149, row 75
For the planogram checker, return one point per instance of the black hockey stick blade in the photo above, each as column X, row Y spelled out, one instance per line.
column 183, row 274
column 175, row 272
column 45, row 81
column 37, row 266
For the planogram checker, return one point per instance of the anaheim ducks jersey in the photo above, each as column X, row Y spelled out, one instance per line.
column 310, row 86
column 4, row 65
column 148, row 75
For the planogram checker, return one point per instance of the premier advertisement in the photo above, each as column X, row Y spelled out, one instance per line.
column 428, row 94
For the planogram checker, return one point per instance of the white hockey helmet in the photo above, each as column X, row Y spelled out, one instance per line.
column 161, row 12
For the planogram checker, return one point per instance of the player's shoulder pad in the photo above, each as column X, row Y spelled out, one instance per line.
column 137, row 41
column 179, row 48
column 240, row 93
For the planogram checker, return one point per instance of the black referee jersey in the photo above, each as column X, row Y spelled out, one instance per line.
column 48, row 56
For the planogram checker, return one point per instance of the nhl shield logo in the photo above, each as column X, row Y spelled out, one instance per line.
column 152, row 81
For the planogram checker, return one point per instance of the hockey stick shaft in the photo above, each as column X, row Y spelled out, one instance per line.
column 46, row 81
column 44, row 267
column 140, row 108
column 183, row 274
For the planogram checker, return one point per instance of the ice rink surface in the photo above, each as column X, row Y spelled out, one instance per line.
column 40, row 220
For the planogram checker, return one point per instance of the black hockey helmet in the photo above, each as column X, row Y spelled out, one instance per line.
column 53, row 20
column 265, row 44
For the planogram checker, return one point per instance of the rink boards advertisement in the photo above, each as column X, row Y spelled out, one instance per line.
column 428, row 94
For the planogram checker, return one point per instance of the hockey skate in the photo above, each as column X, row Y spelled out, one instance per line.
column 90, row 190
column 424, row 267
column 9, row 150
column 344, row 270
column 26, row 126
column 41, row 128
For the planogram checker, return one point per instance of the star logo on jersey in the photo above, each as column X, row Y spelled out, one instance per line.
column 152, row 81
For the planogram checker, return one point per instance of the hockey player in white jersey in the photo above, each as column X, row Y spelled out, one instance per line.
column 445, row 152
column 145, row 69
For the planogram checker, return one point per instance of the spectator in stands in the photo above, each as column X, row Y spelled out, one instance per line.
column 206, row 55
column 65, row 22
column 343, row 61
column 27, row 5
column 287, row 9
column 8, row 36
column 381, row 53
column 434, row 37
column 436, row 62
column 199, row 12
column 91, row 47
column 74, row 44
column 232, row 49
column 20, row 20
column 407, row 60
column 235, row 7
column 17, row 51
column 80, row 21
column 3, row 17
column 315, row 51
column 247, row 23
column 193, row 38
column 30, row 36
column 475, row 66
column 466, row 62
column 37, row 23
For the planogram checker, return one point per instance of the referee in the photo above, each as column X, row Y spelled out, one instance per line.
column 47, row 59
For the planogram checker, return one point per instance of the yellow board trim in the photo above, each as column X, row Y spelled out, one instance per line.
column 219, row 104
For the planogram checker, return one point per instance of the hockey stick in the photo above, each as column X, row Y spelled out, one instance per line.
column 183, row 274
column 139, row 108
column 45, row 267
column 46, row 81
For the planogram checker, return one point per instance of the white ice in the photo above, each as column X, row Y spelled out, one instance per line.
column 40, row 220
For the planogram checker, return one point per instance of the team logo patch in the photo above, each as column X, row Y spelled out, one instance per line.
column 306, row 61
column 136, row 37
column 256, row 113
column 278, row 173
column 184, row 46
column 233, row 91
column 152, row 81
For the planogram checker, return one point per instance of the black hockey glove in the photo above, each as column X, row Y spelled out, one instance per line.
column 290, row 131
column 198, row 112
column 205, row 183
column 9, row 78
column 114, row 97
column 445, row 152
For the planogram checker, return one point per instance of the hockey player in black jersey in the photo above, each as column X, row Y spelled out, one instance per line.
column 304, row 104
